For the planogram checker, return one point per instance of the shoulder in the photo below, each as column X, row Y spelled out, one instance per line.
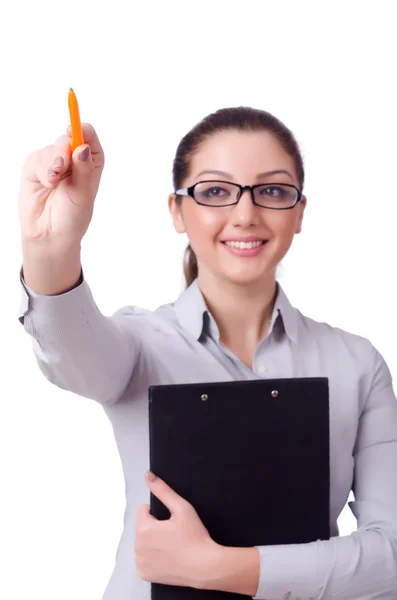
column 352, row 357
column 333, row 339
column 330, row 341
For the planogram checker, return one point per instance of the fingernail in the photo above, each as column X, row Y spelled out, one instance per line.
column 151, row 476
column 58, row 162
column 51, row 173
column 83, row 156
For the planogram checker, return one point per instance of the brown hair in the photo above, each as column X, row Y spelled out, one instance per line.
column 243, row 119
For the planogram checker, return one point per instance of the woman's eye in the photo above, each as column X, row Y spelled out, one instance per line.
column 272, row 191
column 215, row 191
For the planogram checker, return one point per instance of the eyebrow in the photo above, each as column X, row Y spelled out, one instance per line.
column 259, row 176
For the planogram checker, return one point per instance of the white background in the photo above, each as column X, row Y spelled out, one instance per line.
column 144, row 74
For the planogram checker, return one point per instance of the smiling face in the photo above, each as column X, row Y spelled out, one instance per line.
column 246, row 158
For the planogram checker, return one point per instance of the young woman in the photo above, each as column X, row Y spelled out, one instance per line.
column 238, row 181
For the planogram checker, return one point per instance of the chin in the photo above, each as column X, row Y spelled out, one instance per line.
column 246, row 278
column 245, row 274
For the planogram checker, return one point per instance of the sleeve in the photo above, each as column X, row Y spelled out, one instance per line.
column 78, row 348
column 363, row 565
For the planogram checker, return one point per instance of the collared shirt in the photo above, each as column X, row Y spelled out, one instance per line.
column 114, row 360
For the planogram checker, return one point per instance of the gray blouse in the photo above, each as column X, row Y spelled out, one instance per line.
column 114, row 360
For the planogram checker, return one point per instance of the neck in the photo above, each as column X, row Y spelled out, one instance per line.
column 242, row 312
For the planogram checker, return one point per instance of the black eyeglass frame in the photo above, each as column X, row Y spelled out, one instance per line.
column 189, row 191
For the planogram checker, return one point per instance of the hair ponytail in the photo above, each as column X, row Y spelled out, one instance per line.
column 190, row 267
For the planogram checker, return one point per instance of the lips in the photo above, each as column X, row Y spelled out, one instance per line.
column 246, row 250
column 244, row 239
column 244, row 242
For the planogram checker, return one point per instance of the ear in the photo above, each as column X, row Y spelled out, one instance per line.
column 302, row 206
column 175, row 208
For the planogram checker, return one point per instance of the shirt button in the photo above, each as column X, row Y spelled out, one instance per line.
column 262, row 369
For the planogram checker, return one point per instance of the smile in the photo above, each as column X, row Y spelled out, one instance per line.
column 245, row 245
column 245, row 249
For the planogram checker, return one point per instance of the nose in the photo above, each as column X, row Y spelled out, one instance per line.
column 245, row 212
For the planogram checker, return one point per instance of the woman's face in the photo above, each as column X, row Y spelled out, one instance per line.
column 243, row 157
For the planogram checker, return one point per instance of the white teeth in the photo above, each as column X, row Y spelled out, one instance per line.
column 244, row 245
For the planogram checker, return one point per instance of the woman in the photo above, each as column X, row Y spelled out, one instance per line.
column 238, row 180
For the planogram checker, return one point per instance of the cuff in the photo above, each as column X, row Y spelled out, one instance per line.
column 289, row 571
column 30, row 300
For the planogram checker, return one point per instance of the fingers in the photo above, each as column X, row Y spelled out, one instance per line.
column 53, row 163
column 173, row 501
column 37, row 168
column 48, row 165
column 61, row 157
column 91, row 138
column 82, row 168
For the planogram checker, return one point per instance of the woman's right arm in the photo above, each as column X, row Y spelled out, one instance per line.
column 77, row 348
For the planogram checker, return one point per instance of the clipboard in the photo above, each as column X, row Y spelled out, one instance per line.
column 252, row 457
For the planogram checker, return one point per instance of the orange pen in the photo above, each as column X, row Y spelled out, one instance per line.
column 75, row 123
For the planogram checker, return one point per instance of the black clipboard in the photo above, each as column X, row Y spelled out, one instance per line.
column 252, row 457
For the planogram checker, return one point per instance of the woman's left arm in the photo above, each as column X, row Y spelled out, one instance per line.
column 359, row 566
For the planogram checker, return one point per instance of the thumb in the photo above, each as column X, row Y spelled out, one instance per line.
column 173, row 501
column 83, row 167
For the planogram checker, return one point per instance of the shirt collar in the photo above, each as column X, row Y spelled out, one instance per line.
column 191, row 309
column 193, row 314
column 289, row 314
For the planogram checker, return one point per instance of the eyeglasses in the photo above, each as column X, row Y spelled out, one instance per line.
column 276, row 196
